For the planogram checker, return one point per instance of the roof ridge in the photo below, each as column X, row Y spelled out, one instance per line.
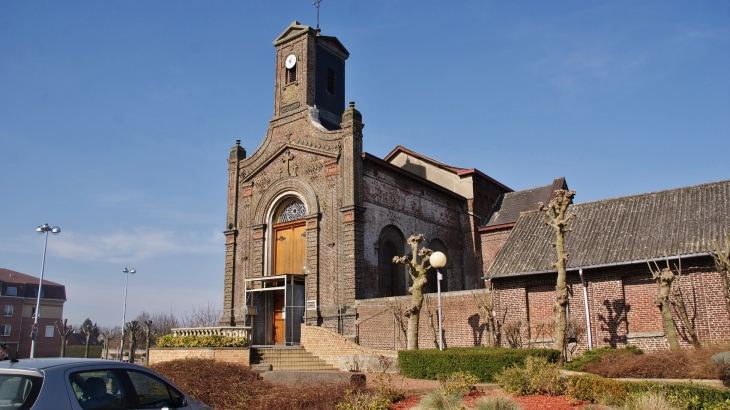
column 726, row 181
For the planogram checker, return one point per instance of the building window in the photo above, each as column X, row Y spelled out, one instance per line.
column 49, row 331
column 388, row 269
column 8, row 311
column 291, row 75
column 5, row 330
column 12, row 291
column 293, row 211
column 330, row 81
column 35, row 293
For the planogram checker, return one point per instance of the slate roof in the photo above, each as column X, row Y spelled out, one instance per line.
column 635, row 228
column 28, row 285
column 508, row 207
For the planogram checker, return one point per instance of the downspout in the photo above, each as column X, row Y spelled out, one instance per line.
column 588, row 311
column 20, row 328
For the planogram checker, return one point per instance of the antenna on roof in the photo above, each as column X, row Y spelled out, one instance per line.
column 316, row 4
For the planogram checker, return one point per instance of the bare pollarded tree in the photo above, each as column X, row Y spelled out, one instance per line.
column 417, row 270
column 722, row 263
column 107, row 334
column 670, row 295
column 89, row 330
column 134, row 331
column 64, row 329
column 204, row 315
column 556, row 218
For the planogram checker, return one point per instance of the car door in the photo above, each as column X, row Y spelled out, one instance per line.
column 119, row 387
column 151, row 392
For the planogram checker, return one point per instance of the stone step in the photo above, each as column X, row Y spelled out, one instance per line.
column 292, row 359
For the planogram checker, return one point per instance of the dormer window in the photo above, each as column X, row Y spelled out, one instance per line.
column 330, row 81
column 11, row 291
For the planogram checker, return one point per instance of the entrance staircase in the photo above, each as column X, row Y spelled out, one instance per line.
column 289, row 358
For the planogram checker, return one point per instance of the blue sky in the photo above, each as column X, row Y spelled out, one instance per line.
column 116, row 117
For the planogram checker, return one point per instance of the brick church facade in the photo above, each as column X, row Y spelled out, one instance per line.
column 313, row 223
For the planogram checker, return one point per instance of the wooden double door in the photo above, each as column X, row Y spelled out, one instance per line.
column 290, row 246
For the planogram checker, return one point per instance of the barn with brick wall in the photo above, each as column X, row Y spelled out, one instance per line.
column 612, row 293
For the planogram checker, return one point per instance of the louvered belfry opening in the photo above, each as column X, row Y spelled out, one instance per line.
column 330, row 81
column 291, row 75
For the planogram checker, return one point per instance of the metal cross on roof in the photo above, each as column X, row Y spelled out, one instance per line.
column 316, row 4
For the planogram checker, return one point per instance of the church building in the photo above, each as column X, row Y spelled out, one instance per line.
column 313, row 221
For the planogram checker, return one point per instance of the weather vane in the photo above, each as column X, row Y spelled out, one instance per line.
column 316, row 4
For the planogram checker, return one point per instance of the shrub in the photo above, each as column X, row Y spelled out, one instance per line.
column 201, row 341
column 482, row 362
column 457, row 383
column 685, row 396
column 596, row 355
column 668, row 364
column 497, row 403
column 232, row 386
column 648, row 401
column 363, row 400
column 440, row 400
column 721, row 361
column 537, row 376
column 78, row 351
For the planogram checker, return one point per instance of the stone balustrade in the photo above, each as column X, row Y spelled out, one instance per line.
column 233, row 331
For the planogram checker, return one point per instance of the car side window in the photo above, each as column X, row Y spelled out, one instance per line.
column 99, row 389
column 154, row 393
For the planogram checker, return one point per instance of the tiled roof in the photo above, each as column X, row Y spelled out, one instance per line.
column 11, row 276
column 510, row 205
column 680, row 221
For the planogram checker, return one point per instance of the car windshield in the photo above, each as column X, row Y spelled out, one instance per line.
column 19, row 392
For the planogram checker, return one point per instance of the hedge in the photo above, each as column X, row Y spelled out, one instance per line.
column 482, row 362
column 686, row 396
column 78, row 351
column 201, row 341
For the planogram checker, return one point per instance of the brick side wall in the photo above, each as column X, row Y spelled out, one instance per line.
column 330, row 346
column 462, row 325
column 492, row 242
column 621, row 306
column 222, row 354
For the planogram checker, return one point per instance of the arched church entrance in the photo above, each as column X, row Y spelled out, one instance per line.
column 290, row 243
column 278, row 297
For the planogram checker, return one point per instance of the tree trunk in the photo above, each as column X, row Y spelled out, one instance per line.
column 561, row 296
column 63, row 345
column 413, row 318
column 86, row 349
column 664, row 278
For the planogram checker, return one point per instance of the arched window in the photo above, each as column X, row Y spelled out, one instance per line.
column 391, row 277
column 292, row 211
column 388, row 271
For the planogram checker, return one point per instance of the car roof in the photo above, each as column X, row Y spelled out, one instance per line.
column 47, row 363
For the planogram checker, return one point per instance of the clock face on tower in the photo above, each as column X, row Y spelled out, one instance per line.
column 291, row 61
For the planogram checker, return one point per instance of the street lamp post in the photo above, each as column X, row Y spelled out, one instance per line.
column 34, row 333
column 124, row 312
column 438, row 261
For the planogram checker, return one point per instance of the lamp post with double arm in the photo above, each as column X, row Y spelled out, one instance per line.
column 127, row 272
column 44, row 229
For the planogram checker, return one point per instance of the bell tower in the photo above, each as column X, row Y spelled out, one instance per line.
column 310, row 74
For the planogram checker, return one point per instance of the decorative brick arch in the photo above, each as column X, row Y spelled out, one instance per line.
column 271, row 197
